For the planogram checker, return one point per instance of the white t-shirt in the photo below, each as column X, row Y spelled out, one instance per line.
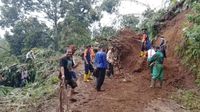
column 110, row 56
column 30, row 55
column 151, row 52
column 24, row 74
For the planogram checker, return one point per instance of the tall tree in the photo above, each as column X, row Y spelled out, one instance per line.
column 13, row 11
column 75, row 28
column 54, row 10
column 69, row 17
column 26, row 35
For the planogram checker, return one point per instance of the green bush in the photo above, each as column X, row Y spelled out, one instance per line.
column 188, row 99
column 5, row 90
column 189, row 51
column 54, row 79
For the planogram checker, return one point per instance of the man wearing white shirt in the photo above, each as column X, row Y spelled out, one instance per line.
column 30, row 56
column 110, row 59
column 150, row 53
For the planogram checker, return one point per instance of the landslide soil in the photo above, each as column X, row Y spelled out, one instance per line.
column 132, row 94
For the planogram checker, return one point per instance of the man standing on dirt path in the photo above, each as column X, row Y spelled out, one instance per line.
column 88, row 61
column 73, row 48
column 101, row 66
column 157, row 73
column 67, row 65
column 146, row 45
column 110, row 59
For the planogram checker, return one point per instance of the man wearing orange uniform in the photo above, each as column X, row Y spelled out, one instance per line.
column 88, row 60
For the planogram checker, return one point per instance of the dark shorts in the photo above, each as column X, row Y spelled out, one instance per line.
column 73, row 75
column 71, row 83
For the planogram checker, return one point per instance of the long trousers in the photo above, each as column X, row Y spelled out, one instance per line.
column 100, row 78
column 110, row 70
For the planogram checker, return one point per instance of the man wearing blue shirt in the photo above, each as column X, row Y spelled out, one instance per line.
column 101, row 66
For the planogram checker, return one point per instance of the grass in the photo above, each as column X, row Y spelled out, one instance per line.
column 31, row 96
column 189, row 99
column 28, row 98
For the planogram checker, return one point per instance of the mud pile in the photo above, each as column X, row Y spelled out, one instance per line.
column 127, row 48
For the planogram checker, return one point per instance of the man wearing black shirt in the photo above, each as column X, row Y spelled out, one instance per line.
column 67, row 65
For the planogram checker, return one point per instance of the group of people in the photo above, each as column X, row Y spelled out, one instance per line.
column 97, row 63
column 155, row 57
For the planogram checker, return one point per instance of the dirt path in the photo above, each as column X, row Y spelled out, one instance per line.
column 119, row 96
column 131, row 96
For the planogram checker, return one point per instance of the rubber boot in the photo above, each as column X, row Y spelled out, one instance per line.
column 89, row 76
column 141, row 53
column 144, row 54
column 85, row 78
column 153, row 82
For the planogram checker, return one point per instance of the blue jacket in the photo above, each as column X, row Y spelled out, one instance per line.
column 148, row 44
column 100, row 60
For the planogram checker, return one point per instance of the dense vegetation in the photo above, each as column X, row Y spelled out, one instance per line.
column 190, row 49
column 70, row 25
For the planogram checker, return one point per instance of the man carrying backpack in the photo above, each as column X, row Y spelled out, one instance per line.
column 88, row 61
